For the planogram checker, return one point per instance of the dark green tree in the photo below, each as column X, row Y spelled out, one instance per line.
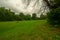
column 52, row 4
column 54, row 16
column 22, row 16
column 6, row 14
column 27, row 17
column 34, row 16
column 42, row 16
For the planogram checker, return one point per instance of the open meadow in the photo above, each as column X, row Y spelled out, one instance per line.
column 28, row 30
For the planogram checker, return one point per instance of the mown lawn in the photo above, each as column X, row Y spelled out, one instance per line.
column 28, row 30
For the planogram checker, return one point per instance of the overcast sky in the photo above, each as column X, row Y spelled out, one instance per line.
column 15, row 5
column 21, row 5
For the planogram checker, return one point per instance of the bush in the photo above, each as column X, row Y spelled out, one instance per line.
column 34, row 16
column 54, row 17
column 22, row 16
column 27, row 17
column 42, row 17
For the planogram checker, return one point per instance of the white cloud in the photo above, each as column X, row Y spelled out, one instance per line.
column 22, row 5
column 15, row 5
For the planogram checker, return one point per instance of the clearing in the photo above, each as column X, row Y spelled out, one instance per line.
column 28, row 30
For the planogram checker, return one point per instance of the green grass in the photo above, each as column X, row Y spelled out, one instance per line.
column 28, row 30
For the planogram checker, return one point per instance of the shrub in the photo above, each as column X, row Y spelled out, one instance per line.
column 54, row 17
column 34, row 16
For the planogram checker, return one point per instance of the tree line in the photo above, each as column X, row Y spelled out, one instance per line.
column 8, row 15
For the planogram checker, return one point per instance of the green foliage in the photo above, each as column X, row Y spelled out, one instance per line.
column 22, row 16
column 52, row 4
column 6, row 14
column 54, row 16
column 34, row 16
column 28, row 17
column 55, row 3
column 18, row 18
column 42, row 16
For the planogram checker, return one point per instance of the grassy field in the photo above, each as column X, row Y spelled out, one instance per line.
column 28, row 30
